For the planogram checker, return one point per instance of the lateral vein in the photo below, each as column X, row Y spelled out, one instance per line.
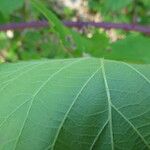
column 130, row 123
column 138, row 72
column 38, row 91
column 72, row 104
column 98, row 135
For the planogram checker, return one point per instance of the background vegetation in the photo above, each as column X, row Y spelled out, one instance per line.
column 59, row 41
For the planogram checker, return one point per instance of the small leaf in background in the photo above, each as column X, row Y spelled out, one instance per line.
column 10, row 6
column 97, row 44
column 115, row 5
column 94, row 5
column 108, row 5
column 134, row 48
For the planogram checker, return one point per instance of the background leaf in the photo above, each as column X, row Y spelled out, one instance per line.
column 10, row 6
column 134, row 48
column 117, row 4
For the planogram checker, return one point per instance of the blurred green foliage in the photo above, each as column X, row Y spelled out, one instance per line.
column 59, row 41
column 10, row 6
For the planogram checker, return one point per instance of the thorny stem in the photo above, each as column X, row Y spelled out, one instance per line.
column 105, row 25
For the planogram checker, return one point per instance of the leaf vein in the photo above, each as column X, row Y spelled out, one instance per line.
column 37, row 92
column 98, row 135
column 109, row 104
column 130, row 123
column 71, row 106
column 138, row 72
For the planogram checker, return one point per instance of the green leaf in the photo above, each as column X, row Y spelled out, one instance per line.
column 97, row 44
column 74, row 104
column 115, row 5
column 94, row 5
column 8, row 6
column 72, row 41
column 55, row 24
column 108, row 5
column 134, row 48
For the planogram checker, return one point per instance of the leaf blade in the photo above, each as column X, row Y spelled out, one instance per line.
column 72, row 108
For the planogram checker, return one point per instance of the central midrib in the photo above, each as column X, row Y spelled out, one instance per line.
column 109, row 104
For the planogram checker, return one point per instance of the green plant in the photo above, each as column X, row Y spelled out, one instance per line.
column 130, row 49
column 62, row 42
column 74, row 104
column 78, row 103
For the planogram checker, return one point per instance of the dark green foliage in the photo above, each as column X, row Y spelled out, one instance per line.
column 77, row 103
column 61, row 42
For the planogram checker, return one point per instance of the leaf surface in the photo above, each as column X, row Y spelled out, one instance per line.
column 74, row 104
column 134, row 48
column 117, row 4
column 10, row 6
